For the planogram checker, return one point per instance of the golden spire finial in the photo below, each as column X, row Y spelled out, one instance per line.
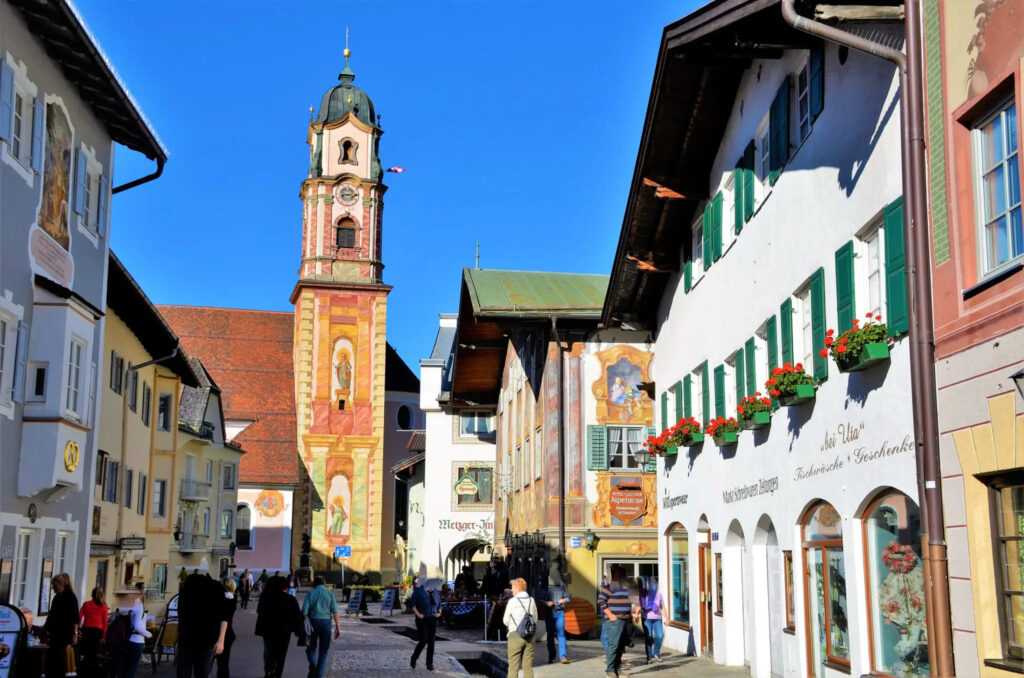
column 347, row 51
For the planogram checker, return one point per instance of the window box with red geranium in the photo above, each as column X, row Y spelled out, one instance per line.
column 723, row 431
column 755, row 411
column 860, row 347
column 687, row 433
column 791, row 385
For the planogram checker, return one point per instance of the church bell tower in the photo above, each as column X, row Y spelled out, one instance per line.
column 340, row 319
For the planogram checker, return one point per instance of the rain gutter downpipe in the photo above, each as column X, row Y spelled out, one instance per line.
column 919, row 289
column 160, row 160
column 561, row 449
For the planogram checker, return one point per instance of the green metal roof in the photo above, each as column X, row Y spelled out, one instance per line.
column 534, row 294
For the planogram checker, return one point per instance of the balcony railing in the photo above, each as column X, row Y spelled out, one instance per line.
column 190, row 542
column 194, row 490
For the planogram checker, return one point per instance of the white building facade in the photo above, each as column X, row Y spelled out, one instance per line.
column 61, row 110
column 458, row 515
column 796, row 549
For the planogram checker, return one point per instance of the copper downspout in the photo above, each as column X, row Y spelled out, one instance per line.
column 919, row 289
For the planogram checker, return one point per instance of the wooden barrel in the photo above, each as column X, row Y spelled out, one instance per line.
column 580, row 616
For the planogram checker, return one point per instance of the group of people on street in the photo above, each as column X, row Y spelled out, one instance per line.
column 278, row 617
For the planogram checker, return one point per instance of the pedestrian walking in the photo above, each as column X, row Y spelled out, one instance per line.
column 293, row 583
column 426, row 605
column 604, row 627
column 521, row 621
column 262, row 581
column 224, row 658
column 555, row 597
column 92, row 620
column 320, row 606
column 277, row 618
column 652, row 613
column 131, row 651
column 61, row 628
column 202, row 625
column 617, row 615
column 244, row 589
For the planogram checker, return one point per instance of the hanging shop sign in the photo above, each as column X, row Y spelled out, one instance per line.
column 71, row 456
column 132, row 544
column 627, row 502
column 466, row 486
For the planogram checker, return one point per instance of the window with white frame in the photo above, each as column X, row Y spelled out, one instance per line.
column 24, row 135
column 997, row 182
column 762, row 156
column 19, row 583
column 729, row 211
column 697, row 401
column 761, row 370
column 872, row 267
column 209, row 471
column 538, row 448
column 8, row 336
column 803, row 102
column 623, row 444
column 805, row 337
column 143, row 486
column 131, row 382
column 147, row 403
column 473, row 424
column 73, row 383
column 518, row 465
column 206, row 521
column 37, row 381
column 697, row 247
column 528, row 462
column 227, row 524
column 159, row 498
column 730, row 386
column 112, row 479
column 228, row 475
column 20, row 127
column 129, row 481
column 163, row 412
column 63, row 552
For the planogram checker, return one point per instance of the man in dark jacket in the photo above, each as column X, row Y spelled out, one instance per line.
column 554, row 597
column 202, row 625
column 426, row 605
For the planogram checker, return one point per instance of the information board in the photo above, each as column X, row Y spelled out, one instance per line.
column 355, row 601
column 388, row 601
column 12, row 631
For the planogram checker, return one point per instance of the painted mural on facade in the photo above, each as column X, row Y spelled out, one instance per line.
column 620, row 398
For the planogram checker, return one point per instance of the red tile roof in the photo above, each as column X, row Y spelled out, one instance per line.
column 249, row 355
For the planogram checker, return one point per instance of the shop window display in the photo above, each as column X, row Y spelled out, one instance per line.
column 679, row 546
column 896, row 587
column 826, row 585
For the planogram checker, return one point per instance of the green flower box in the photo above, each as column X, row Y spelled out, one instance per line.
column 696, row 439
column 804, row 393
column 727, row 438
column 759, row 420
column 870, row 355
column 670, row 450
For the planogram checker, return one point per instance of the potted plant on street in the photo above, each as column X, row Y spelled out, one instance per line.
column 723, row 431
column 755, row 411
column 791, row 385
column 860, row 347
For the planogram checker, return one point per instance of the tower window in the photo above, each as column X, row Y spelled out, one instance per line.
column 348, row 149
column 346, row 236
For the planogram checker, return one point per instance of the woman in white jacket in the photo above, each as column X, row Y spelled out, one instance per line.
column 520, row 650
column 137, row 642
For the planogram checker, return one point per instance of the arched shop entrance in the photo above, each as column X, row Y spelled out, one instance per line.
column 768, row 591
column 733, row 577
column 474, row 553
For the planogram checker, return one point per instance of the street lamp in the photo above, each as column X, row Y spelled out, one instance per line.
column 590, row 540
column 643, row 457
column 1018, row 381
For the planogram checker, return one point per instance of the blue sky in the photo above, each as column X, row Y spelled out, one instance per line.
column 518, row 123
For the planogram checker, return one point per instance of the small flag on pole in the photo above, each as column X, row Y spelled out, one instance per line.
column 396, row 169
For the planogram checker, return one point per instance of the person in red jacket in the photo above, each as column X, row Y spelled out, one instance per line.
column 92, row 620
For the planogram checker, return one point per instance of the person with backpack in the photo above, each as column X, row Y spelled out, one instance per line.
column 426, row 605
column 652, row 612
column 521, row 621
column 616, row 608
column 131, row 651
column 92, row 620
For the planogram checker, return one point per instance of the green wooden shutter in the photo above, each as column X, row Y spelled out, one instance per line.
column 652, row 465
column 687, row 274
column 705, row 378
column 716, row 224
column 737, row 195
column 818, row 324
column 816, row 80
column 778, row 132
column 706, row 235
column 751, row 366
column 896, row 316
column 664, row 410
column 597, row 448
column 786, row 330
column 740, row 377
column 845, row 293
column 748, row 180
column 720, row 391
column 688, row 396
column 678, row 389
column 772, row 346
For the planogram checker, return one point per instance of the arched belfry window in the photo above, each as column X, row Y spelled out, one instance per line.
column 348, row 148
column 346, row 233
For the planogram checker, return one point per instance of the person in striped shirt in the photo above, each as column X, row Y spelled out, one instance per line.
column 616, row 608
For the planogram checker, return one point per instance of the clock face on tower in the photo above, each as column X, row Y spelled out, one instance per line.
column 346, row 194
